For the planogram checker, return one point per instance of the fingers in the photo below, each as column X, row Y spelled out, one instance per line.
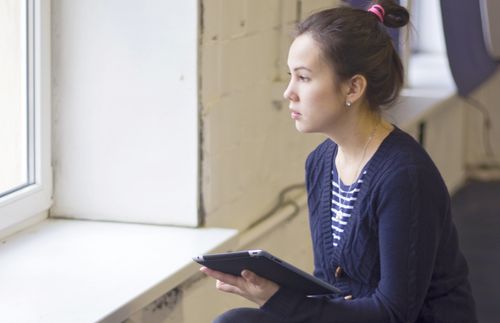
column 224, row 287
column 225, row 282
column 246, row 276
column 248, row 285
column 226, row 278
column 230, row 283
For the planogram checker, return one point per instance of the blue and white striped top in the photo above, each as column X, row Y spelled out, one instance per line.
column 343, row 199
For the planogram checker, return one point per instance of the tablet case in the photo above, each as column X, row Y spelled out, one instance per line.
column 268, row 266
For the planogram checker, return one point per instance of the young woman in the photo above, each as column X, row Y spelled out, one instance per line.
column 379, row 210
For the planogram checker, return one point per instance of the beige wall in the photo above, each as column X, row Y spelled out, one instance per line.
column 444, row 141
column 250, row 148
column 476, row 155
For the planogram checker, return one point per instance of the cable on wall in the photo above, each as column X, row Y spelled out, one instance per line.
column 488, row 148
column 283, row 201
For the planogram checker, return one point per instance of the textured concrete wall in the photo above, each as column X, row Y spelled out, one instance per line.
column 250, row 148
column 477, row 146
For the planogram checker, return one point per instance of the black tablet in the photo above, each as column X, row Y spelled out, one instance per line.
column 268, row 266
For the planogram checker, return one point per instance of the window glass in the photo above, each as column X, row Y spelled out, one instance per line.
column 13, row 96
column 426, row 18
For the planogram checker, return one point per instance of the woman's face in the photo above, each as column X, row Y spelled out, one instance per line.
column 316, row 103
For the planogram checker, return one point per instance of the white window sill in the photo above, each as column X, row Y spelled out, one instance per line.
column 83, row 271
column 429, row 83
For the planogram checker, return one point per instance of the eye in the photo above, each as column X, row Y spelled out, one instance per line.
column 300, row 77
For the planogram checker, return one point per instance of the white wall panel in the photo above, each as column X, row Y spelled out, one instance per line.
column 126, row 110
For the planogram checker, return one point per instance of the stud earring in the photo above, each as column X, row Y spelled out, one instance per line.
column 348, row 104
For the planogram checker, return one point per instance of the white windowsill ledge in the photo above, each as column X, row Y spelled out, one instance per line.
column 83, row 271
column 429, row 83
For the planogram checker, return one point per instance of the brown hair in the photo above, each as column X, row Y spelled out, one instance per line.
column 353, row 41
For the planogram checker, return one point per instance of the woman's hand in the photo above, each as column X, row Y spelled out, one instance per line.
column 250, row 286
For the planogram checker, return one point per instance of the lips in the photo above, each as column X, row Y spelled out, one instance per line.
column 295, row 115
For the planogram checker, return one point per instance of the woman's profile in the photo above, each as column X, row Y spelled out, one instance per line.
column 379, row 211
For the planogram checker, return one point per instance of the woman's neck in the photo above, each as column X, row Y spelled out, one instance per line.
column 354, row 131
column 357, row 141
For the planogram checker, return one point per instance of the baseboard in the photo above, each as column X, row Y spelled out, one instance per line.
column 483, row 172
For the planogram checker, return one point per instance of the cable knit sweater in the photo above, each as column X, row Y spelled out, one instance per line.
column 399, row 257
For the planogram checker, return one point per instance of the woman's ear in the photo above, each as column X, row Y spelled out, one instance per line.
column 356, row 88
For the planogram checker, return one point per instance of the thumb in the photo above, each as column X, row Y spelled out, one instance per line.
column 249, row 276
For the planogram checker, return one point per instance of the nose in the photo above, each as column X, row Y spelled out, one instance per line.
column 289, row 94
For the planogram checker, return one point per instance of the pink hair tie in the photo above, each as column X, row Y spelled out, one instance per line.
column 378, row 11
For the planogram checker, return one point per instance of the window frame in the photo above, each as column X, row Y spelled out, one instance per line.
column 30, row 204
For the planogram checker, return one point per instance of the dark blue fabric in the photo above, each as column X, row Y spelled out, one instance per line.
column 400, row 256
column 246, row 315
column 469, row 60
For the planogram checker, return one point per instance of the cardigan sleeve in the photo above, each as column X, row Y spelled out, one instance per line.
column 410, row 210
column 313, row 177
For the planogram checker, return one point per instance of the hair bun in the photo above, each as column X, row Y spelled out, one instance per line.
column 395, row 15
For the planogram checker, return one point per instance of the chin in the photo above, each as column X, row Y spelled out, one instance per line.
column 303, row 129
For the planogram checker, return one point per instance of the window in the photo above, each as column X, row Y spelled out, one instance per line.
column 14, row 172
column 425, row 55
column 24, row 112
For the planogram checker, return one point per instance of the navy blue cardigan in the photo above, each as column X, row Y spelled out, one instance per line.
column 399, row 256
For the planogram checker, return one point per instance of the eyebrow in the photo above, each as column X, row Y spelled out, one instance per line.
column 302, row 68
